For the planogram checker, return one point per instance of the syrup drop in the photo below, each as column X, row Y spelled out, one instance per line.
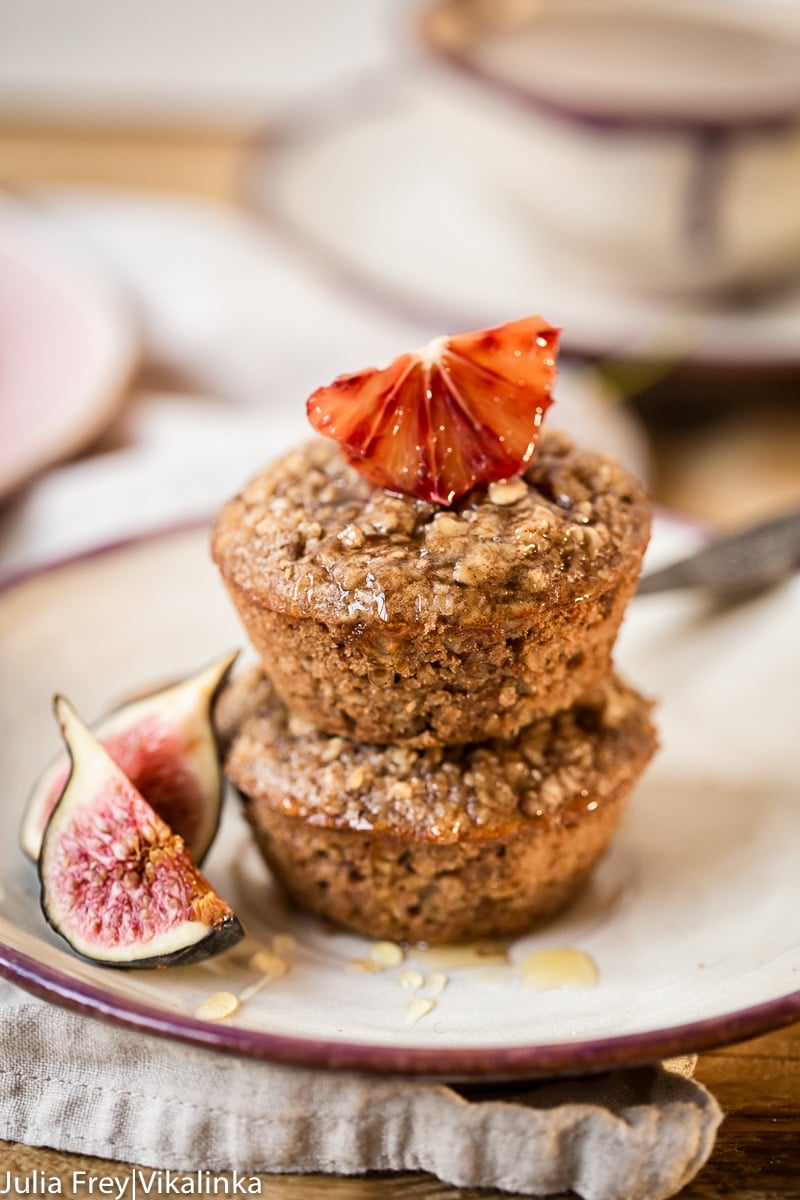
column 558, row 967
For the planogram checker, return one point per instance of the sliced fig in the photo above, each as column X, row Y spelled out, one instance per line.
column 165, row 743
column 116, row 883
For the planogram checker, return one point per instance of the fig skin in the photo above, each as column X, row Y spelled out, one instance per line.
column 116, row 883
column 166, row 743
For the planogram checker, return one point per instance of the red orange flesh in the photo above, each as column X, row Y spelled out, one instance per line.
column 462, row 412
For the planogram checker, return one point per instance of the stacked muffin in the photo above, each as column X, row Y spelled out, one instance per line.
column 434, row 746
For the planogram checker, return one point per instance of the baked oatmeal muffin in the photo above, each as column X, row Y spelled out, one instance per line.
column 439, row 844
column 390, row 619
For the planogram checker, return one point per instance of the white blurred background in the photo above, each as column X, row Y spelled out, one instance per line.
column 210, row 209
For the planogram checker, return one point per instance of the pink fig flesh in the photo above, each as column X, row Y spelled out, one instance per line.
column 156, row 757
column 117, row 883
column 166, row 745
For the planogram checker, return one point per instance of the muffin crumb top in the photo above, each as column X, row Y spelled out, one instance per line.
column 309, row 536
column 553, row 769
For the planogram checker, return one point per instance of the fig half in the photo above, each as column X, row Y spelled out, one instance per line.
column 116, row 883
column 165, row 743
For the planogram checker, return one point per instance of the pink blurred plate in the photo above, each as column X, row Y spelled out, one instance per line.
column 67, row 346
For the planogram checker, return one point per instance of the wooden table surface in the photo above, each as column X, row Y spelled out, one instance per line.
column 756, row 1157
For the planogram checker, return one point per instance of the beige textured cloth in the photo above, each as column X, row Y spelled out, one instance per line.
column 77, row 1084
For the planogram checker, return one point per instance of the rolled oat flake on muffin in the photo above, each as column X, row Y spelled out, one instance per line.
column 440, row 844
column 434, row 746
column 387, row 618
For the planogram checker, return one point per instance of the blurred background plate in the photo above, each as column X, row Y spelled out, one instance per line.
column 391, row 200
column 67, row 346
column 236, row 330
column 659, row 145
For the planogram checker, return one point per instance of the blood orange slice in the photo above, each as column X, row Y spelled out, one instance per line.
column 459, row 413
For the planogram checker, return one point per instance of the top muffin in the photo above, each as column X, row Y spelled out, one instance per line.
column 388, row 618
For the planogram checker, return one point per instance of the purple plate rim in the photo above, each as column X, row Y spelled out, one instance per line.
column 408, row 305
column 124, row 541
column 777, row 120
column 475, row 1062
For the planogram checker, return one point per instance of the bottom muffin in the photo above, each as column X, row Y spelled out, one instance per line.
column 444, row 844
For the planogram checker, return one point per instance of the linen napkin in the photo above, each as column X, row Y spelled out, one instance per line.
column 80, row 1085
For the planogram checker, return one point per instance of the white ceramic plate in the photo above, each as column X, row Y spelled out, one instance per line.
column 67, row 346
column 399, row 200
column 693, row 918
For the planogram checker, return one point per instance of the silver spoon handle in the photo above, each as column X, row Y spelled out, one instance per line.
column 749, row 558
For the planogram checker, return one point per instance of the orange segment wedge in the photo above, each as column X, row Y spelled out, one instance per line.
column 459, row 413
